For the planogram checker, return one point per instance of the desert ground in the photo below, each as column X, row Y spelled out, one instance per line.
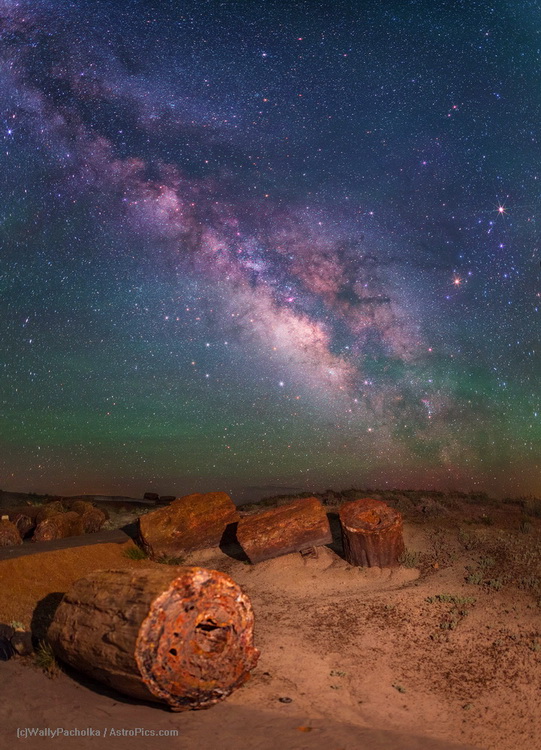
column 443, row 651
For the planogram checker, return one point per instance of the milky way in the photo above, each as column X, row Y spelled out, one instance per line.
column 262, row 247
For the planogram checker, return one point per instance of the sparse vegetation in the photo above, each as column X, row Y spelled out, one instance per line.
column 451, row 599
column 409, row 559
column 170, row 560
column 468, row 539
column 45, row 659
column 135, row 553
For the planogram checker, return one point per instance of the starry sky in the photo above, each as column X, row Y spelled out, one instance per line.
column 267, row 246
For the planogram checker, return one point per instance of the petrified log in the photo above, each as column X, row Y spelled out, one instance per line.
column 371, row 533
column 182, row 636
column 190, row 522
column 9, row 533
column 24, row 523
column 80, row 506
column 92, row 520
column 49, row 509
column 288, row 528
column 58, row 526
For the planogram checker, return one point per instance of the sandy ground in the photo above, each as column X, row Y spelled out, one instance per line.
column 444, row 654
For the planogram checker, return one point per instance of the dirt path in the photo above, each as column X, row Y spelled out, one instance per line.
column 31, row 548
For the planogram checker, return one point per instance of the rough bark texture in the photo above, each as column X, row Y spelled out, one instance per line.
column 92, row 520
column 58, row 526
column 9, row 534
column 80, row 506
column 191, row 522
column 182, row 636
column 371, row 533
column 279, row 531
column 49, row 509
column 23, row 522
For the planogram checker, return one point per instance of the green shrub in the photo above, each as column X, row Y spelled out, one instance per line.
column 135, row 553
column 45, row 659
column 409, row 559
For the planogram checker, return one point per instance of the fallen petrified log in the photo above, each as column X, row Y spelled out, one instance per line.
column 59, row 526
column 288, row 528
column 49, row 509
column 80, row 506
column 190, row 522
column 9, row 533
column 371, row 533
column 92, row 520
column 182, row 636
column 23, row 522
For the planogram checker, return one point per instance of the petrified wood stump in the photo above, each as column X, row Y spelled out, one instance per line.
column 59, row 526
column 371, row 533
column 181, row 636
column 288, row 528
column 190, row 522
column 9, row 533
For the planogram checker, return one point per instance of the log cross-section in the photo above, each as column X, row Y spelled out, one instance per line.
column 182, row 636
column 371, row 533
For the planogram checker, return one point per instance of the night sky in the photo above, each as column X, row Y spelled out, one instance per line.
column 272, row 245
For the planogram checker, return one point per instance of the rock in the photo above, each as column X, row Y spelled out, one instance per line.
column 49, row 509
column 9, row 533
column 6, row 631
column 80, row 506
column 152, row 496
column 294, row 527
column 181, row 636
column 21, row 642
column 191, row 522
column 6, row 649
column 24, row 523
column 58, row 527
column 92, row 519
column 371, row 533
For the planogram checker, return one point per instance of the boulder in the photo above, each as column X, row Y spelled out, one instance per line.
column 9, row 533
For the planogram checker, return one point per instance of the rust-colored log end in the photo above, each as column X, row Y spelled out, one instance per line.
column 196, row 644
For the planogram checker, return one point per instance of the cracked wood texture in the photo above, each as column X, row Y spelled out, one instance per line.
column 191, row 522
column 371, row 533
column 182, row 636
column 288, row 528
column 58, row 526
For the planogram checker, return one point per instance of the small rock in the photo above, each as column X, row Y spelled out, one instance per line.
column 6, row 649
column 21, row 643
column 6, row 631
column 285, row 700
